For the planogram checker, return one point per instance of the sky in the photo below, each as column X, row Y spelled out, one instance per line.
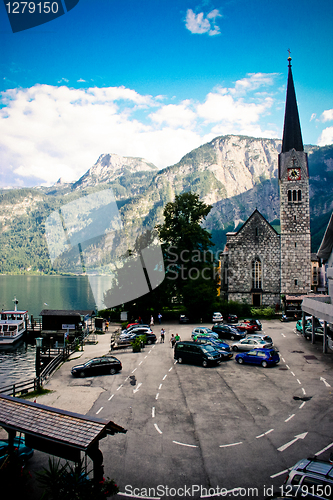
column 156, row 79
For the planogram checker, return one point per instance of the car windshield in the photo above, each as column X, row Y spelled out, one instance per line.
column 208, row 349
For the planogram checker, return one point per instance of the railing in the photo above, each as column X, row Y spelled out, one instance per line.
column 21, row 388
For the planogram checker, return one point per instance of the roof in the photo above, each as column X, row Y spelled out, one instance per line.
column 64, row 312
column 64, row 427
column 292, row 136
column 256, row 212
column 326, row 246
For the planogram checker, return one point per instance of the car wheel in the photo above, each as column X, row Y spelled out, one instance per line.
column 204, row 363
column 264, row 364
column 234, row 348
column 240, row 361
column 149, row 342
column 82, row 374
column 180, row 360
column 112, row 371
column 232, row 337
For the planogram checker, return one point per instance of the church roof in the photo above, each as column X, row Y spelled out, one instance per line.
column 255, row 213
column 292, row 136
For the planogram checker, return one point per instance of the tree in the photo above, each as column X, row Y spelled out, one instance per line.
column 189, row 261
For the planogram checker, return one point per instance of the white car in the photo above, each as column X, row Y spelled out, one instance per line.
column 217, row 317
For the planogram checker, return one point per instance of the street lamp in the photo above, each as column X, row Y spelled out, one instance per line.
column 39, row 341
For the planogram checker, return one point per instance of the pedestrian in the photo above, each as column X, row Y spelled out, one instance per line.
column 151, row 321
column 107, row 326
column 162, row 335
column 177, row 337
column 159, row 318
column 172, row 340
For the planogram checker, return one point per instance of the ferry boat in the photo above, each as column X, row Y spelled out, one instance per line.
column 13, row 325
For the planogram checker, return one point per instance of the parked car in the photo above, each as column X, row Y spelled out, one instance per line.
column 232, row 318
column 137, row 330
column 314, row 475
column 252, row 321
column 217, row 317
column 249, row 344
column 129, row 329
column 227, row 332
column 183, row 319
column 260, row 336
column 103, row 365
column 22, row 451
column 203, row 330
column 223, row 348
column 299, row 325
column 319, row 333
column 190, row 352
column 263, row 357
column 247, row 327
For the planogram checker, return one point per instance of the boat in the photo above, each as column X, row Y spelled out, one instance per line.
column 13, row 325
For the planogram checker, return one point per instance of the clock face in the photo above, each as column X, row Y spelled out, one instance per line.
column 294, row 174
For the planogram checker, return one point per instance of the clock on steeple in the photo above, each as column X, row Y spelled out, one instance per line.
column 294, row 201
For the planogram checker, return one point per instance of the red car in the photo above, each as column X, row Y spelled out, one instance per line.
column 246, row 327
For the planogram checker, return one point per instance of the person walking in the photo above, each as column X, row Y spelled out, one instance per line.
column 177, row 337
column 162, row 335
column 159, row 316
column 172, row 340
column 151, row 320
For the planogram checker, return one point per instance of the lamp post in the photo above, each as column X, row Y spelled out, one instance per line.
column 39, row 341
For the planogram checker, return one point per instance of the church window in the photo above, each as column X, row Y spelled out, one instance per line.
column 295, row 218
column 257, row 232
column 296, row 282
column 289, row 194
column 294, row 195
column 299, row 195
column 295, row 244
column 256, row 274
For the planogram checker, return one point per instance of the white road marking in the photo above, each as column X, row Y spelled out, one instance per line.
column 119, row 387
column 283, row 335
column 146, row 356
column 153, row 412
column 298, row 380
column 301, row 406
column 231, row 444
column 283, row 360
column 289, row 418
column 137, row 388
column 158, row 429
column 324, row 380
column 126, row 379
column 288, row 367
column 264, row 434
column 157, row 395
column 111, row 397
column 303, row 390
column 280, row 473
column 324, row 449
column 160, row 386
column 297, row 437
column 134, row 370
column 140, row 363
column 184, row 444
column 101, row 408
column 293, row 373
column 170, row 369
column 165, row 376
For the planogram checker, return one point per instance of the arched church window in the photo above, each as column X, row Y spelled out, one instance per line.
column 289, row 194
column 299, row 195
column 294, row 195
column 256, row 274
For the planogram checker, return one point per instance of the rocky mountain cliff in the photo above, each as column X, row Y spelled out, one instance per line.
column 235, row 174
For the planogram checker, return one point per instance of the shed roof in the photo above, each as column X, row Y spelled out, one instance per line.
column 59, row 426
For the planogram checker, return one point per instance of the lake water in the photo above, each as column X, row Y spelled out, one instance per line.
column 35, row 293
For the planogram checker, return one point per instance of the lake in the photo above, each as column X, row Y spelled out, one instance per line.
column 35, row 293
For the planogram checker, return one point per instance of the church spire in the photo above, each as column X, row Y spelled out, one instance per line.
column 292, row 136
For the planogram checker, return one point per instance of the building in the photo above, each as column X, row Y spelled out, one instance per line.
column 259, row 265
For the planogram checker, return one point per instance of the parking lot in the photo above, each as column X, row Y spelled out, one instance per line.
column 231, row 430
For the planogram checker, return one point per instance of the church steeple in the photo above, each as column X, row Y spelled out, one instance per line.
column 292, row 136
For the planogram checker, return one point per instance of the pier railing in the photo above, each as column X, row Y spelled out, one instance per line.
column 59, row 355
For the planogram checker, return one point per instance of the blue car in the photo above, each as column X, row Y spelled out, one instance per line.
column 223, row 348
column 263, row 357
column 23, row 452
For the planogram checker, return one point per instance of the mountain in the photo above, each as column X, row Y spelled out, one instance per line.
column 234, row 174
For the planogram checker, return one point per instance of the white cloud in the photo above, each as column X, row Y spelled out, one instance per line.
column 48, row 132
column 326, row 137
column 199, row 23
column 327, row 116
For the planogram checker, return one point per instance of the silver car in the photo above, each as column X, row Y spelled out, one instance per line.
column 249, row 344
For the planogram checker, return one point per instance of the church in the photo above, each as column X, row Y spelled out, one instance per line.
column 259, row 264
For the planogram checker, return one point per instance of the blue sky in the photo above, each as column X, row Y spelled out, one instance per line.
column 156, row 79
